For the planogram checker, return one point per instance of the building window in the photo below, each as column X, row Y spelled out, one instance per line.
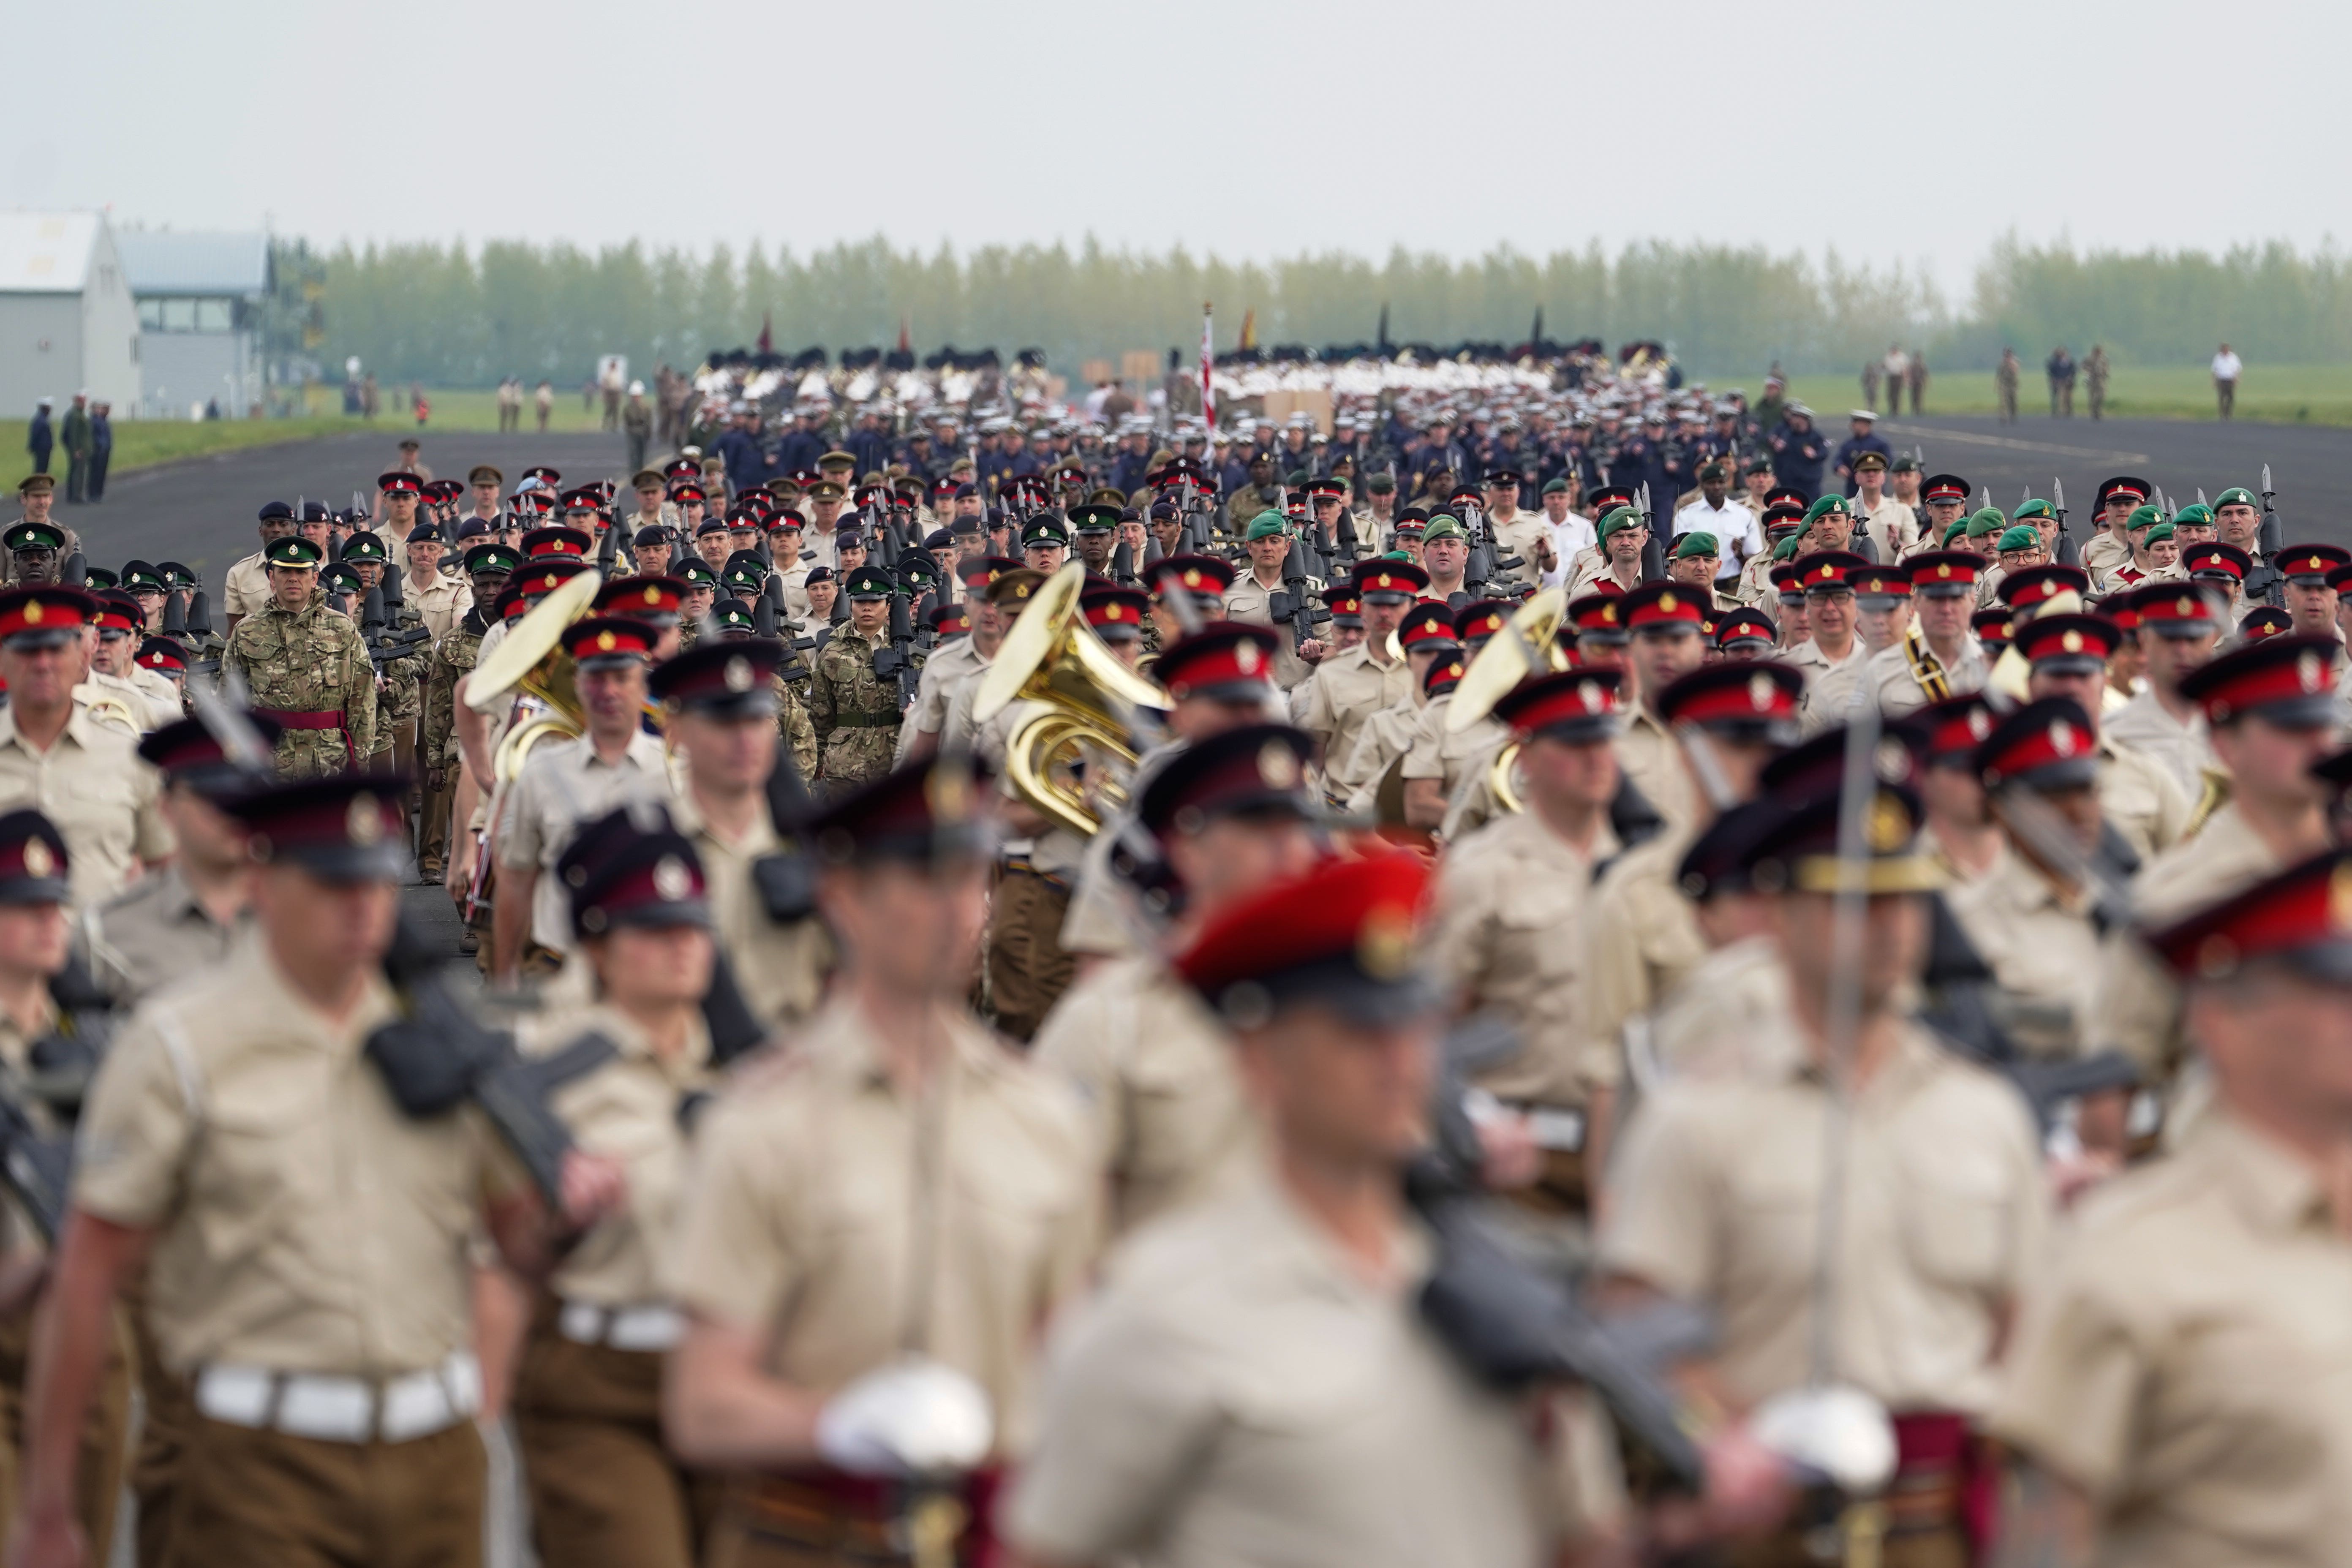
column 150, row 315
column 178, row 315
column 211, row 315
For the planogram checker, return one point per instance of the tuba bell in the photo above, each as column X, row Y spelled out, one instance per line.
column 1528, row 645
column 530, row 666
column 1072, row 759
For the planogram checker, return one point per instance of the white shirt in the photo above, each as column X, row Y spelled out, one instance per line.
column 1732, row 523
column 1569, row 539
column 2226, row 366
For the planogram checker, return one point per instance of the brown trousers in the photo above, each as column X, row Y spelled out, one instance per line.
column 253, row 1497
column 105, row 1435
column 163, row 1422
column 603, row 1492
column 432, row 829
column 1027, row 968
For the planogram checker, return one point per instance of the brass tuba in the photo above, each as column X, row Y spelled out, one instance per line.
column 530, row 665
column 1528, row 645
column 1051, row 657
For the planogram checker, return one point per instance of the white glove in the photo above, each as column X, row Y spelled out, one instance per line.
column 1840, row 1433
column 914, row 1416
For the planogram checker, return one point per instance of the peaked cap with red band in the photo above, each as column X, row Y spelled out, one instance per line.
column 2288, row 681
column 1346, row 934
column 1228, row 660
column 1574, row 705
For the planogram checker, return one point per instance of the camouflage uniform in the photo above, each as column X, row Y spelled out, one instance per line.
column 794, row 728
column 400, row 694
column 437, row 744
column 309, row 660
column 854, row 711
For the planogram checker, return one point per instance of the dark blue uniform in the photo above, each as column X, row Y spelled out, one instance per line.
column 799, row 450
column 1797, row 459
column 1854, row 447
column 41, row 440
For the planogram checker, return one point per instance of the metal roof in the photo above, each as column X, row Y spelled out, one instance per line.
column 163, row 262
column 46, row 253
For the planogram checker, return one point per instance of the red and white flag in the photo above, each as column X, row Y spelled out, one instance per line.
column 1208, row 366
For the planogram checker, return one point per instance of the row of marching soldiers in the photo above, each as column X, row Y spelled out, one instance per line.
column 767, row 1250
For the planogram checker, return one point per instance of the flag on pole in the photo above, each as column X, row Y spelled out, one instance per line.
column 1208, row 364
column 1249, row 329
column 767, row 333
column 906, row 333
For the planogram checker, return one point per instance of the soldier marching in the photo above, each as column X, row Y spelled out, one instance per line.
column 1006, row 1032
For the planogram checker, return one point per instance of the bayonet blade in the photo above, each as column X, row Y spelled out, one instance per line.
column 2201, row 495
column 2058, row 495
column 2267, row 492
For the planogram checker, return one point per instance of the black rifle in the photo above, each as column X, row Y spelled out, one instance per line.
column 74, row 573
column 1289, row 607
column 1122, row 565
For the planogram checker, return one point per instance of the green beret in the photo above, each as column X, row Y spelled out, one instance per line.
column 364, row 546
column 1298, row 479
column 1990, row 520
column 1556, row 487
column 1396, row 556
column 2148, row 517
column 1958, row 530
column 2032, row 509
column 342, row 577
column 1696, row 543
column 2160, row 531
column 1787, row 549
column 293, row 551
column 1265, row 525
column 1441, row 527
column 2194, row 512
column 1906, row 464
column 1619, row 520
column 2236, row 495
column 2022, row 537
column 1831, row 505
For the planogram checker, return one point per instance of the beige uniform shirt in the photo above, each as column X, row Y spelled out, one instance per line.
column 1346, row 690
column 91, row 784
column 1652, row 757
column 2139, row 797
column 1239, row 1394
column 812, row 1182
column 143, row 709
column 781, row 969
column 1509, row 935
column 1892, row 528
column 245, row 586
column 2181, row 747
column 1728, row 1019
column 152, row 934
column 563, row 785
column 2042, row 949
column 943, row 673
column 1248, row 600
column 1890, row 676
column 1156, row 1072
column 1448, row 755
column 441, row 604
column 1382, row 740
column 627, row 1110
column 1522, row 537
column 1587, row 578
column 2137, row 1006
column 2188, row 1364
column 2105, row 553
column 1641, row 942
column 1717, row 1200
column 306, row 1224
column 1830, row 684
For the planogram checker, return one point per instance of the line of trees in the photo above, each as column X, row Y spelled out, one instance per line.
column 465, row 315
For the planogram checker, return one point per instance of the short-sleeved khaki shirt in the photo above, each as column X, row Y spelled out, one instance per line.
column 245, row 586
column 564, row 785
column 943, row 673
column 1640, row 940
column 1156, row 1072
column 1512, row 901
column 1717, row 1200
column 440, row 603
column 1728, row 1019
column 1238, row 1393
column 2183, row 748
column 1251, row 600
column 1653, row 757
column 1895, row 682
column 305, row 1224
column 2045, row 954
column 781, row 969
column 627, row 1109
column 2139, row 797
column 2188, row 1364
column 851, row 1221
column 153, row 933
column 1348, row 690
column 91, row 784
column 1446, row 755
column 1381, row 740
column 1829, row 693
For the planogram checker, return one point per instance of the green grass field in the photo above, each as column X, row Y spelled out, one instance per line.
column 140, row 443
column 2281, row 394
column 2284, row 395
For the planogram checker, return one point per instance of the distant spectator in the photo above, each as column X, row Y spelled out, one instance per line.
column 2005, row 380
column 101, row 449
column 42, row 438
column 2060, row 371
column 2227, row 368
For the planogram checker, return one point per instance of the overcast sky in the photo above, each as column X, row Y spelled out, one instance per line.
column 1244, row 127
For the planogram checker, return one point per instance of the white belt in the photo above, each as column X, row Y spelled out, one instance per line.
column 343, row 1409
column 654, row 1327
